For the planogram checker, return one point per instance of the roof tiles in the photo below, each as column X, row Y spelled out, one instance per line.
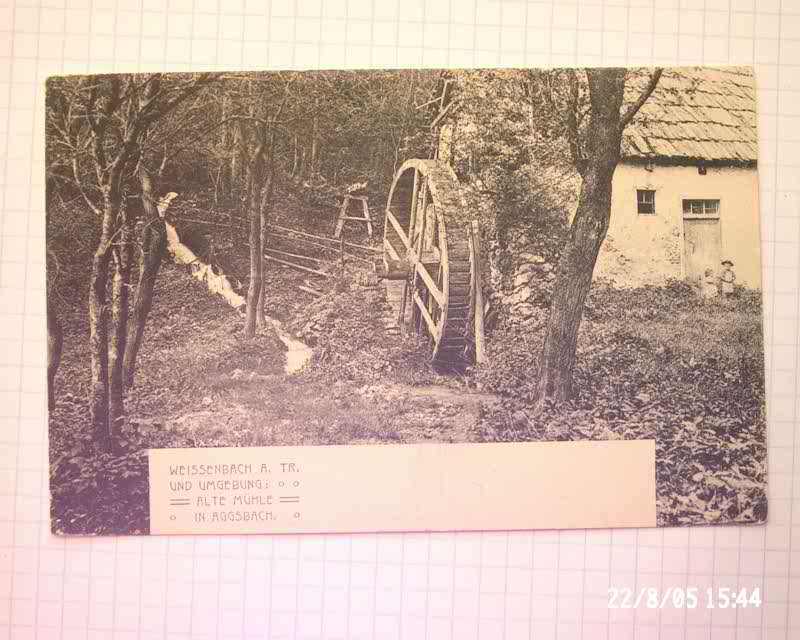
column 695, row 113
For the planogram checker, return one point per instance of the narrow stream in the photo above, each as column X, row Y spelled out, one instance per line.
column 298, row 354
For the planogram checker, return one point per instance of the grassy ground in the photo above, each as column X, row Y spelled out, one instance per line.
column 652, row 363
column 656, row 363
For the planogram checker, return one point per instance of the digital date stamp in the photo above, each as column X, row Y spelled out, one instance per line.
column 684, row 598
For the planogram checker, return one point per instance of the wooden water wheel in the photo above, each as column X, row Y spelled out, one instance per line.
column 427, row 250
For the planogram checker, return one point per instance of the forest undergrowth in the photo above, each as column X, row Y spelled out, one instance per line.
column 654, row 363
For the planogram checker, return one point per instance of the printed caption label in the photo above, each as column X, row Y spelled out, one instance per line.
column 426, row 487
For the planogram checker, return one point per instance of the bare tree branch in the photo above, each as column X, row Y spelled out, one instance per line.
column 632, row 110
column 79, row 184
column 190, row 88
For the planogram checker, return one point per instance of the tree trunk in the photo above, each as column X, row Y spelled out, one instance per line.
column 120, row 308
column 154, row 244
column 313, row 168
column 296, row 159
column 320, row 159
column 254, row 290
column 572, row 284
column 98, row 329
column 261, row 319
column 117, row 125
column 235, row 161
column 255, row 174
column 301, row 167
column 222, row 151
column 262, row 234
column 589, row 228
column 266, row 203
column 216, row 177
column 55, row 342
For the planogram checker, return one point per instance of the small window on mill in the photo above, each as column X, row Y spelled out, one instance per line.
column 701, row 208
column 646, row 201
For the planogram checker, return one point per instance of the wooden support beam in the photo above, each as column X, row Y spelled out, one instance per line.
column 430, row 283
column 367, row 217
column 340, row 219
column 420, row 189
column 475, row 259
column 313, row 243
column 402, row 234
column 394, row 270
column 344, row 217
column 434, row 330
column 294, row 255
column 392, row 252
column 326, row 239
column 321, row 246
column 415, row 189
column 313, row 292
column 297, row 266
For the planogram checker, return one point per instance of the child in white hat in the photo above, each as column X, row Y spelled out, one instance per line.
column 727, row 278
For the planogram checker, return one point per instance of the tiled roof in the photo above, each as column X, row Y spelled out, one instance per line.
column 694, row 114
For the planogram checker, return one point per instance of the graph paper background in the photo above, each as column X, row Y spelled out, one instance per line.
column 414, row 586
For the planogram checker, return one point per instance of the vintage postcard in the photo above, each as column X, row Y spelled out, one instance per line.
column 404, row 300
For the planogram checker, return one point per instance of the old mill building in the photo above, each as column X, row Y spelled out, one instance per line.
column 685, row 195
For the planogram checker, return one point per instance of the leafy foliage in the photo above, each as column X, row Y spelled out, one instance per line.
column 655, row 362
column 652, row 362
column 354, row 348
column 506, row 152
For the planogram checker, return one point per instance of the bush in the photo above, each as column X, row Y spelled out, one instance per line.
column 632, row 338
column 98, row 492
column 72, row 235
column 654, row 363
column 351, row 345
column 513, row 353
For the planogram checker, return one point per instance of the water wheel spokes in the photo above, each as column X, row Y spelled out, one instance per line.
column 426, row 246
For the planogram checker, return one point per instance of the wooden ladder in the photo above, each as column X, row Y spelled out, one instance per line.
column 343, row 217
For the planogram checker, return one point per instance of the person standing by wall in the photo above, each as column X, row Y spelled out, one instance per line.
column 727, row 279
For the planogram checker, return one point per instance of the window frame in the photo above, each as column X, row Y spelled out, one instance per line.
column 701, row 208
column 640, row 202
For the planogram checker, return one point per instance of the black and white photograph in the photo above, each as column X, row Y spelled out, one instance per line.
column 395, row 257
